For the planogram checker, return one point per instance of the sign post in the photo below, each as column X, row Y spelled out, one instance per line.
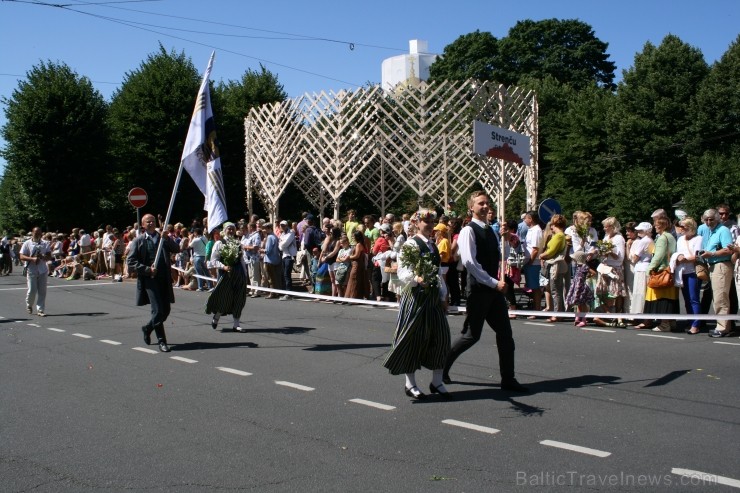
column 138, row 198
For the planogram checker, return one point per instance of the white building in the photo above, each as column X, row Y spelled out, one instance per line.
column 410, row 68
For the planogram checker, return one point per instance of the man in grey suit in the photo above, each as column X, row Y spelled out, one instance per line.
column 153, row 282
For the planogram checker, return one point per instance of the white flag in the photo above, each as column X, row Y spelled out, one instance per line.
column 200, row 155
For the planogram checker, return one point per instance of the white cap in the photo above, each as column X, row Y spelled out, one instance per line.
column 681, row 215
column 643, row 227
column 283, row 223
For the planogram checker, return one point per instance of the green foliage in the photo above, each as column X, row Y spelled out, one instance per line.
column 567, row 50
column 713, row 180
column 57, row 141
column 636, row 192
column 716, row 109
column 149, row 119
column 232, row 101
column 471, row 56
column 650, row 124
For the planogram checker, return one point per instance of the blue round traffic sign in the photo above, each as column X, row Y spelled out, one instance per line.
column 548, row 208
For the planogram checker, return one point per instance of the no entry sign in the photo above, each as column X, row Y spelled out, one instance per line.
column 138, row 197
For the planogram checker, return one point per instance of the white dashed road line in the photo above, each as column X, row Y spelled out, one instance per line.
column 84, row 336
column 233, row 371
column 294, row 385
column 705, row 477
column 112, row 343
column 576, row 448
column 537, row 323
column 661, row 337
column 727, row 343
column 33, row 325
column 145, row 350
column 55, row 330
column 184, row 360
column 470, row 426
column 377, row 405
column 589, row 329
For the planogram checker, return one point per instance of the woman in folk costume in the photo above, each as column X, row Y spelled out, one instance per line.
column 422, row 335
column 230, row 294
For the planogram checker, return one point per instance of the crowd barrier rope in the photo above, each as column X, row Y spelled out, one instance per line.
column 461, row 309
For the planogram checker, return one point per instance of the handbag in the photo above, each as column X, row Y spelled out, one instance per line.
column 391, row 267
column 323, row 270
column 702, row 271
column 660, row 279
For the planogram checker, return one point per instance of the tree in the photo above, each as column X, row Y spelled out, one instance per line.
column 231, row 104
column 651, row 123
column 578, row 149
column 471, row 56
column 716, row 109
column 149, row 119
column 635, row 191
column 56, row 148
column 567, row 50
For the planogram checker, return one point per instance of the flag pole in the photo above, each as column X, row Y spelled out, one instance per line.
column 169, row 213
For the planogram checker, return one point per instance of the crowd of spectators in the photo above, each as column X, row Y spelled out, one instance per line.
column 567, row 266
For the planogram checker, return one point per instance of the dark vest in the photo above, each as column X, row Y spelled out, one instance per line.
column 487, row 254
column 424, row 248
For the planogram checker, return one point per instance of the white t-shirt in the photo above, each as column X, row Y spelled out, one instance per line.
column 534, row 238
column 32, row 248
column 619, row 244
column 641, row 249
column 688, row 248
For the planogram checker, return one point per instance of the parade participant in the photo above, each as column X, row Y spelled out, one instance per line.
column 422, row 335
column 230, row 293
column 479, row 253
column 153, row 282
column 36, row 252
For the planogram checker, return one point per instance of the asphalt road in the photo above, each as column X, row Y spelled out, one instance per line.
column 275, row 409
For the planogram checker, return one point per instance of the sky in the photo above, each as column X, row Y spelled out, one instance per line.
column 315, row 46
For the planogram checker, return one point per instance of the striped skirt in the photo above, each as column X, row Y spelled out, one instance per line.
column 422, row 335
column 230, row 294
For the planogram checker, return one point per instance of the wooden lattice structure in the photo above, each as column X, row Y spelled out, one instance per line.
column 416, row 136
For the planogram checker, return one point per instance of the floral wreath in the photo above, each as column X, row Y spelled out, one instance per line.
column 425, row 215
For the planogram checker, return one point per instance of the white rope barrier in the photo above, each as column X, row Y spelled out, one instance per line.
column 461, row 309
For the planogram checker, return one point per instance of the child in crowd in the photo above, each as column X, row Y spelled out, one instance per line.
column 581, row 295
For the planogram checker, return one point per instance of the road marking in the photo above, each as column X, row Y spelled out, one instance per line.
column 727, row 343
column 87, row 284
column 184, row 360
column 661, row 337
column 34, row 325
column 598, row 330
column 107, row 341
column 575, row 448
column 19, row 321
column 84, row 336
column 537, row 323
column 377, row 405
column 294, row 385
column 56, row 330
column 470, row 426
column 706, row 477
column 235, row 372
column 145, row 350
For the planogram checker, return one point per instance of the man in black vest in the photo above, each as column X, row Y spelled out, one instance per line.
column 480, row 254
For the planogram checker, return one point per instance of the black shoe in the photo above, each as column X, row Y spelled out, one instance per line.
column 513, row 386
column 719, row 333
column 414, row 393
column 435, row 390
column 446, row 379
column 214, row 323
column 164, row 347
column 147, row 334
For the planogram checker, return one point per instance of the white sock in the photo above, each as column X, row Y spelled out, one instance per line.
column 410, row 380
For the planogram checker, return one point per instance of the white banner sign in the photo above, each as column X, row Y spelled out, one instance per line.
column 499, row 143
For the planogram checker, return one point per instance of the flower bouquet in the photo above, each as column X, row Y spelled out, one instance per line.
column 421, row 264
column 604, row 247
column 230, row 252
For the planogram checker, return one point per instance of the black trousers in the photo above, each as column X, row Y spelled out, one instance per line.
column 159, row 301
column 486, row 305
